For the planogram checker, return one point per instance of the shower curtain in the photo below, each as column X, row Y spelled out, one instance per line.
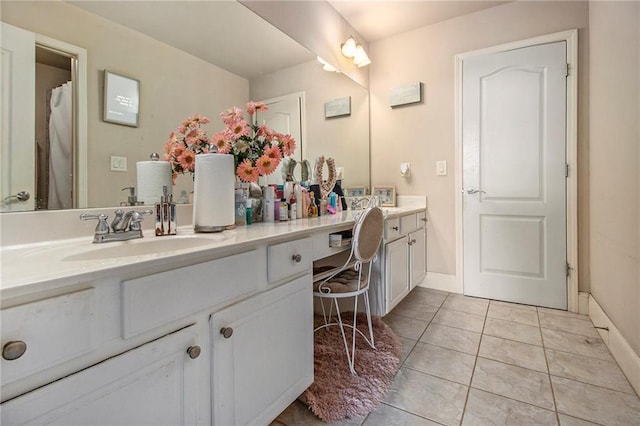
column 61, row 148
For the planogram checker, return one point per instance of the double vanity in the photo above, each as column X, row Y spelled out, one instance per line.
column 185, row 329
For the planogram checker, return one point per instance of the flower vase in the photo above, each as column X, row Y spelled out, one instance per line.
column 213, row 193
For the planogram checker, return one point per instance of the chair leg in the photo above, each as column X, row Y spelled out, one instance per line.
column 350, row 357
column 366, row 304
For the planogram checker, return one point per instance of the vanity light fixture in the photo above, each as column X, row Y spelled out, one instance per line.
column 353, row 49
column 326, row 65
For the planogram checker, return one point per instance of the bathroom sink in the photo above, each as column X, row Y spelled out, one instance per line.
column 142, row 247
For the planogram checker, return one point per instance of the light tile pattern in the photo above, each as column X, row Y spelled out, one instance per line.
column 469, row 361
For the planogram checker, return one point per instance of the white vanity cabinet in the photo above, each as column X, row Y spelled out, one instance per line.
column 402, row 261
column 262, row 354
column 155, row 383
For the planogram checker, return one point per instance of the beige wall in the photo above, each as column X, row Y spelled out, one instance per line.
column 615, row 160
column 173, row 85
column 346, row 139
column 424, row 133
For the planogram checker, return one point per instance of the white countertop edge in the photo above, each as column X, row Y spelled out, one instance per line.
column 20, row 277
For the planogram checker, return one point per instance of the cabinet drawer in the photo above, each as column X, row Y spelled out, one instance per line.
column 54, row 330
column 288, row 259
column 157, row 299
column 391, row 228
column 408, row 223
column 422, row 219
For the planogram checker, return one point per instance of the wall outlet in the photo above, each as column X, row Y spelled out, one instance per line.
column 118, row 164
column 441, row 168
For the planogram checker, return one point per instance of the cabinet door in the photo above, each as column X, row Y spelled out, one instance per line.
column 396, row 272
column 153, row 384
column 266, row 359
column 417, row 258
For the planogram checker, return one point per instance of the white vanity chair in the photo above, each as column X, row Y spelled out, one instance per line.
column 351, row 280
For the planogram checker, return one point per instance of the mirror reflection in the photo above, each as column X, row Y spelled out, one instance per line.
column 190, row 58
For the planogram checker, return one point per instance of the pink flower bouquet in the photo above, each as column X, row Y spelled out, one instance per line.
column 257, row 149
column 185, row 143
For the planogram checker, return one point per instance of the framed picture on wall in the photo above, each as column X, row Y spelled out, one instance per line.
column 121, row 99
column 386, row 193
column 355, row 191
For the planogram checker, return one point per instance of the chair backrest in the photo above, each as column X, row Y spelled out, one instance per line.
column 367, row 234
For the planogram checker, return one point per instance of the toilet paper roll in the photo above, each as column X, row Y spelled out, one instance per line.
column 152, row 175
column 213, row 193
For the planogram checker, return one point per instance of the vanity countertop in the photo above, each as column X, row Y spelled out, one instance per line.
column 35, row 267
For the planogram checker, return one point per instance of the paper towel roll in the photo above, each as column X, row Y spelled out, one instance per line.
column 152, row 175
column 213, row 197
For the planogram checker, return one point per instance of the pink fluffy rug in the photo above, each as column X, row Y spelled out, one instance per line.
column 336, row 394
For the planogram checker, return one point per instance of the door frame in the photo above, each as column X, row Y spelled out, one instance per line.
column 303, row 117
column 571, row 38
column 80, row 147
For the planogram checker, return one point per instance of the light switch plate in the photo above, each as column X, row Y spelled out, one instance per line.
column 118, row 164
column 441, row 168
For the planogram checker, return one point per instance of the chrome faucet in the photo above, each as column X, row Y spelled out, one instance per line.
column 356, row 203
column 125, row 226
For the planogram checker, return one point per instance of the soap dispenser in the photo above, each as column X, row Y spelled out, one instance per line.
column 132, row 199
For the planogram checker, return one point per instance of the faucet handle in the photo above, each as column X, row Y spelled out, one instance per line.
column 137, row 217
column 102, row 227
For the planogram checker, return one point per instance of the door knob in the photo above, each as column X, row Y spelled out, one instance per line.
column 472, row 191
column 21, row 196
column 226, row 332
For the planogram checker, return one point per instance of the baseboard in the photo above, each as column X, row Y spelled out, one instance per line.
column 438, row 281
column 624, row 354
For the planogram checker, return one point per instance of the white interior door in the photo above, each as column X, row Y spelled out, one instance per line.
column 285, row 116
column 17, row 123
column 514, row 175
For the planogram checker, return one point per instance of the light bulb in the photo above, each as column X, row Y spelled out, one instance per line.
column 349, row 48
column 360, row 58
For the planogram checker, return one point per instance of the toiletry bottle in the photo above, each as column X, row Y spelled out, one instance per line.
column 240, row 207
column 276, row 210
column 284, row 210
column 313, row 209
column 293, row 207
column 172, row 216
column 165, row 210
column 158, row 214
column 267, row 213
column 249, row 211
column 305, row 203
column 298, row 192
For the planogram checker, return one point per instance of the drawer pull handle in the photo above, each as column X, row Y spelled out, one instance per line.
column 226, row 332
column 395, row 228
column 297, row 258
column 14, row 350
column 424, row 219
column 193, row 351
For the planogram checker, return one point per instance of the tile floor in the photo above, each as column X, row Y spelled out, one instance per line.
column 473, row 361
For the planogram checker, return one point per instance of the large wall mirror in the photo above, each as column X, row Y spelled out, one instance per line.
column 190, row 58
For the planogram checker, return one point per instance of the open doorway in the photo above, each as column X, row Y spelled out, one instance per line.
column 54, row 123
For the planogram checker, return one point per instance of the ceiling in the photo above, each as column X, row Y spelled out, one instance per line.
column 229, row 35
column 376, row 19
column 224, row 33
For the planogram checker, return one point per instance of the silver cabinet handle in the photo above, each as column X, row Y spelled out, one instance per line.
column 194, row 351
column 14, row 350
column 226, row 332
column 472, row 191
column 297, row 258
